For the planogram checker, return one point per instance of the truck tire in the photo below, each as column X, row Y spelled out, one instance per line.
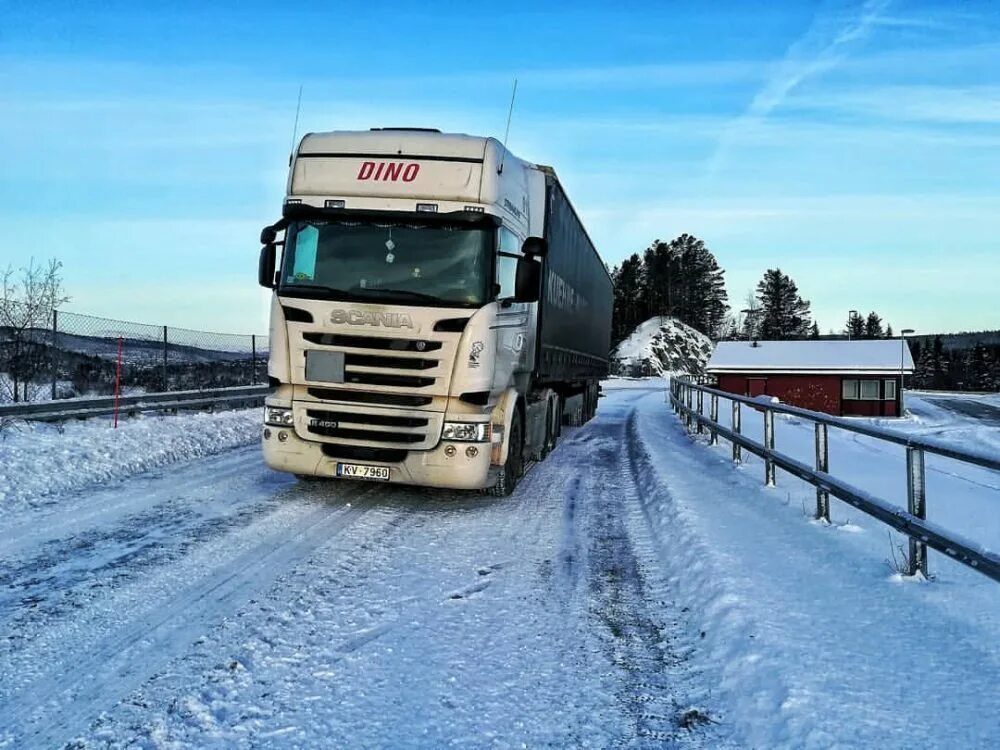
column 513, row 467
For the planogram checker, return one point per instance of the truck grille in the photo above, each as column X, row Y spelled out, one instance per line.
column 383, row 407
column 371, row 342
column 368, row 426
column 368, row 397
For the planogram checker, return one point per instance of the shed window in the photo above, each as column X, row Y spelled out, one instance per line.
column 869, row 390
column 890, row 390
column 851, row 391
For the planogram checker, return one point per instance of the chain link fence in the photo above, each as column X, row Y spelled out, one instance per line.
column 84, row 355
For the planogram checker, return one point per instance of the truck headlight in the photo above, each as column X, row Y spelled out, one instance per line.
column 275, row 415
column 467, row 432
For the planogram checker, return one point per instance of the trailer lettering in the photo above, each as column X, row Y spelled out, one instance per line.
column 388, row 171
column 559, row 293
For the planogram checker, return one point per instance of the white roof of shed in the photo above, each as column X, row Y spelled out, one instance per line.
column 864, row 356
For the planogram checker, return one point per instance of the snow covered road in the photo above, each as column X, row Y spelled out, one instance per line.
column 638, row 590
column 219, row 604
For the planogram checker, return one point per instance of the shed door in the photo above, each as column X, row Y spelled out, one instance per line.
column 756, row 387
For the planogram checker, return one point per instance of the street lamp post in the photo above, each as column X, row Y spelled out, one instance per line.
column 902, row 349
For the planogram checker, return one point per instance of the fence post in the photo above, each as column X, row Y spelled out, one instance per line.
column 769, row 446
column 822, row 464
column 54, row 358
column 701, row 410
column 713, row 411
column 737, row 451
column 916, row 495
column 165, row 387
column 253, row 359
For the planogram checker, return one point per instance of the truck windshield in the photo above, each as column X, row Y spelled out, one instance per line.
column 398, row 262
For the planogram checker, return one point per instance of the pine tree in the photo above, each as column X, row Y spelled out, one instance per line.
column 814, row 331
column 855, row 327
column 888, row 331
column 785, row 315
column 629, row 306
column 683, row 279
column 873, row 326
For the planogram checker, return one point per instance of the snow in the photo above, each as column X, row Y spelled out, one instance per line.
column 39, row 460
column 877, row 355
column 816, row 642
column 661, row 346
column 638, row 590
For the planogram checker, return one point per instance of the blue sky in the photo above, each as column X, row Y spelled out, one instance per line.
column 855, row 145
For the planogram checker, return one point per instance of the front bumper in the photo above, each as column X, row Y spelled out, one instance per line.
column 427, row 468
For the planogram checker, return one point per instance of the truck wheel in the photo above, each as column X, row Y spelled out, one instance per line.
column 549, row 441
column 513, row 467
column 553, row 421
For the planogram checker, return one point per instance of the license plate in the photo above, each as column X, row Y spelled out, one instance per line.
column 363, row 471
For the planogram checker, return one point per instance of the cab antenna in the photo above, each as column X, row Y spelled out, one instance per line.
column 510, row 113
column 295, row 127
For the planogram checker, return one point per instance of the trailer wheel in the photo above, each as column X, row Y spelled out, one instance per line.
column 513, row 467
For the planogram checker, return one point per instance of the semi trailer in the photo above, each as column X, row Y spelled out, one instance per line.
column 438, row 312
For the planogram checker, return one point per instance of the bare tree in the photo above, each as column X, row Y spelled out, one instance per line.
column 28, row 300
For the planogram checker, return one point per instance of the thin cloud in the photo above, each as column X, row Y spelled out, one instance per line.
column 820, row 49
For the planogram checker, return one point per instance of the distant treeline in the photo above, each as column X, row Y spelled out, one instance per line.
column 969, row 368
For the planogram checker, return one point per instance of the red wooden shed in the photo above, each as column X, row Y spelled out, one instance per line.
column 843, row 378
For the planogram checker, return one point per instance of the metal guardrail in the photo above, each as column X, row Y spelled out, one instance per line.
column 81, row 408
column 911, row 522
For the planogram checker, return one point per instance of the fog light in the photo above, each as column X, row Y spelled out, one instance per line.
column 282, row 436
column 450, row 450
column 267, row 434
column 472, row 451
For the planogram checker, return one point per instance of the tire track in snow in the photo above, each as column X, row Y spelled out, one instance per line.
column 51, row 710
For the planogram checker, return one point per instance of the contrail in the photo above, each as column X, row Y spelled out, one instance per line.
column 820, row 49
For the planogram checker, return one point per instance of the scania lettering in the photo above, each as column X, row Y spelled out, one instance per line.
column 438, row 312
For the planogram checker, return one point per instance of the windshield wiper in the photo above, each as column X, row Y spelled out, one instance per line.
column 397, row 292
column 329, row 291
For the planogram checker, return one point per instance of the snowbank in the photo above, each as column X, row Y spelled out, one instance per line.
column 661, row 346
column 38, row 460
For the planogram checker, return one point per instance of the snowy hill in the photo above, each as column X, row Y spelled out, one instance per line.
column 662, row 345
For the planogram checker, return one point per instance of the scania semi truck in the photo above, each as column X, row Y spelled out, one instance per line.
column 438, row 312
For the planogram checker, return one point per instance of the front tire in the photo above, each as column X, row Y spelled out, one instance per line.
column 513, row 467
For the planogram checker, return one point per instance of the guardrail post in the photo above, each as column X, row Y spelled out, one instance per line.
column 737, row 451
column 823, row 465
column 916, row 495
column 687, row 402
column 713, row 409
column 769, row 446
column 701, row 410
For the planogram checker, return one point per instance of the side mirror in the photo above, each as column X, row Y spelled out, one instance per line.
column 265, row 268
column 268, row 235
column 535, row 246
column 527, row 280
